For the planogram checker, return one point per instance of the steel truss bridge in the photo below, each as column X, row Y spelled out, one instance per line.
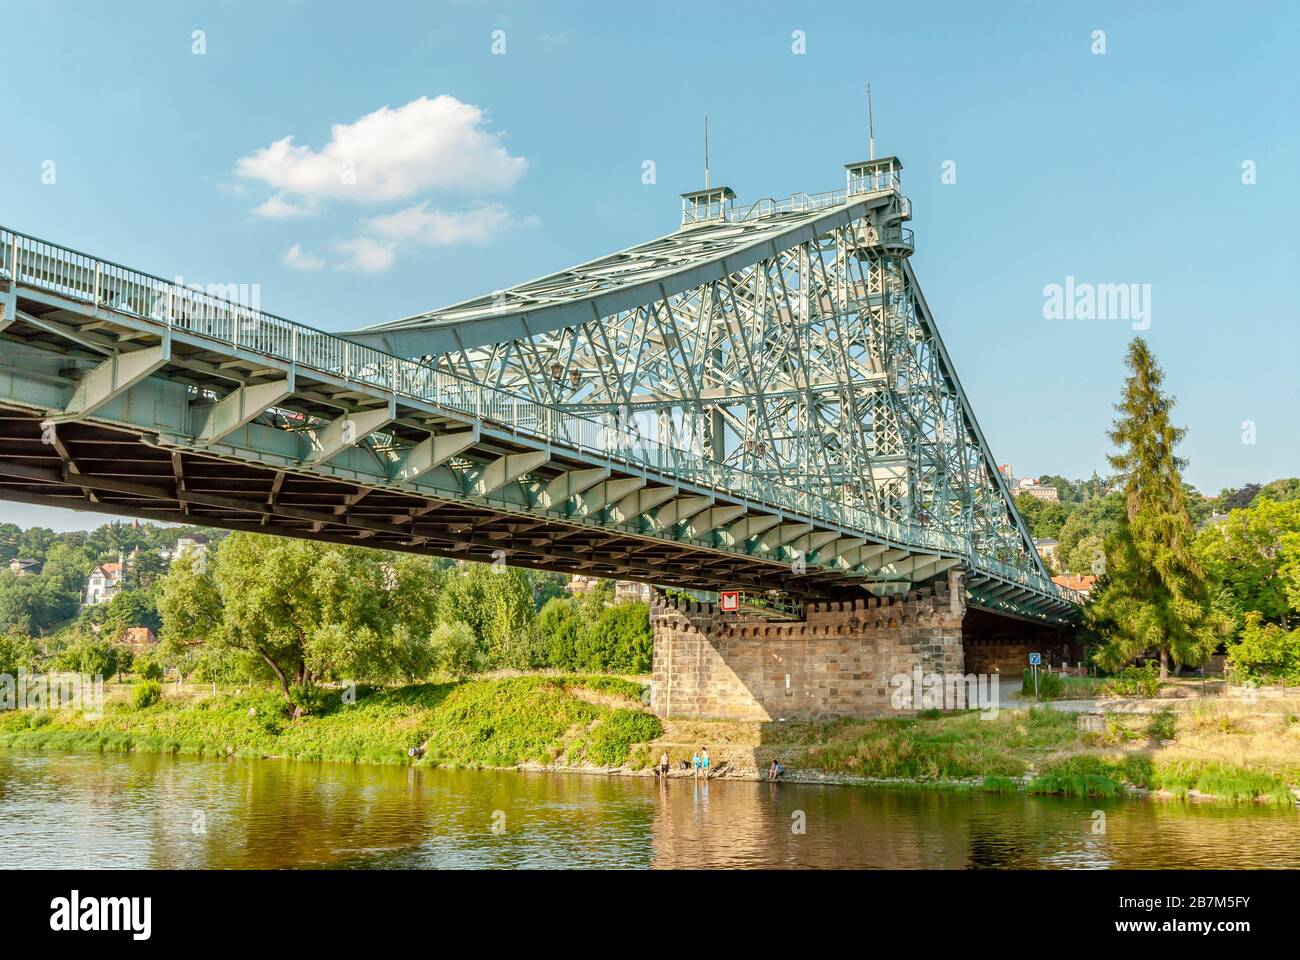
column 759, row 400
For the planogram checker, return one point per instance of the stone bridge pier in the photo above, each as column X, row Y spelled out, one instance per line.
column 840, row 661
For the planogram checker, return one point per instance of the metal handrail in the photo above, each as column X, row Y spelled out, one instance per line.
column 107, row 285
column 795, row 203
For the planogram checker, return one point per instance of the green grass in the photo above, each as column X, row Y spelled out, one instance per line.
column 1088, row 775
column 961, row 746
column 1000, row 785
column 1163, row 725
column 493, row 722
column 612, row 741
column 1222, row 781
column 1046, row 686
column 993, row 755
column 1083, row 776
column 1059, row 686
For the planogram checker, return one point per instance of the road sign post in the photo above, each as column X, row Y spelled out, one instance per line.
column 1034, row 660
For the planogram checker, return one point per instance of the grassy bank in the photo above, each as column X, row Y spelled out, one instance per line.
column 1213, row 747
column 570, row 720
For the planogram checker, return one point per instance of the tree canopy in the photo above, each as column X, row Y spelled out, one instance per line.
column 1154, row 594
column 302, row 611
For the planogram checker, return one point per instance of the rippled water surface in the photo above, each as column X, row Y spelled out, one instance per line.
column 89, row 811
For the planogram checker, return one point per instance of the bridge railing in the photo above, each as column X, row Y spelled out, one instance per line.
column 797, row 203
column 104, row 284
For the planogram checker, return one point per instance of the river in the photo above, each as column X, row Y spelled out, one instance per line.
column 135, row 811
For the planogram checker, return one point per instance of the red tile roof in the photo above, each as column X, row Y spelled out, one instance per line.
column 1082, row 582
column 138, row 635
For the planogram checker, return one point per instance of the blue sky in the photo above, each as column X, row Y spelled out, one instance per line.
column 1117, row 167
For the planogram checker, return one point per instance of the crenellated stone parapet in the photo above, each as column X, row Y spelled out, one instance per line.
column 838, row 661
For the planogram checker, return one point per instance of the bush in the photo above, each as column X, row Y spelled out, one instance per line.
column 95, row 658
column 1119, row 731
column 1265, row 652
column 308, row 697
column 150, row 669
column 619, row 641
column 454, row 651
column 616, row 734
column 411, row 656
column 1133, row 682
column 1050, row 686
column 17, row 652
column 147, row 694
column 558, row 626
column 1163, row 725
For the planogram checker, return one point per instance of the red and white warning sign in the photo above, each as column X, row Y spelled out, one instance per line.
column 730, row 600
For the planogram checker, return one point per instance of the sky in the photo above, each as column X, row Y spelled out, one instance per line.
column 355, row 163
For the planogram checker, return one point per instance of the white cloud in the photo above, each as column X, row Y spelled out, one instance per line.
column 392, row 154
column 295, row 258
column 367, row 254
column 429, row 227
column 278, row 208
column 382, row 238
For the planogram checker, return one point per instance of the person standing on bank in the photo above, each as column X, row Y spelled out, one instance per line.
column 704, row 761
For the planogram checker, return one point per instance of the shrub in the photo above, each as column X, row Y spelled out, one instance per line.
column 1133, row 682
column 411, row 655
column 150, row 669
column 96, row 658
column 454, row 650
column 308, row 697
column 619, row 641
column 558, row 626
column 147, row 694
column 1049, row 684
column 1265, row 652
column 1118, row 730
column 1163, row 725
column 17, row 652
column 613, row 738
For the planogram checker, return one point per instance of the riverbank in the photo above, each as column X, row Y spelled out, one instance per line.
column 1213, row 748
column 1209, row 749
column 574, row 720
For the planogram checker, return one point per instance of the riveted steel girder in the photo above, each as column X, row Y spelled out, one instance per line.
column 758, row 399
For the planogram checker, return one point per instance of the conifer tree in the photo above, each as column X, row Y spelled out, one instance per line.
column 1154, row 595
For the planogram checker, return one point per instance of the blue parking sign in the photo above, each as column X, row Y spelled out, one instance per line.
column 1035, row 659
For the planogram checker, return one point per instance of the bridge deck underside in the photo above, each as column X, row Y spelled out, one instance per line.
column 118, row 473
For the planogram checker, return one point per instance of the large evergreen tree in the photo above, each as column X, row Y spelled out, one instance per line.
column 1154, row 595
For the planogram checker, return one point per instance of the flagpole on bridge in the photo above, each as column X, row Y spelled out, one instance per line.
column 871, row 126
